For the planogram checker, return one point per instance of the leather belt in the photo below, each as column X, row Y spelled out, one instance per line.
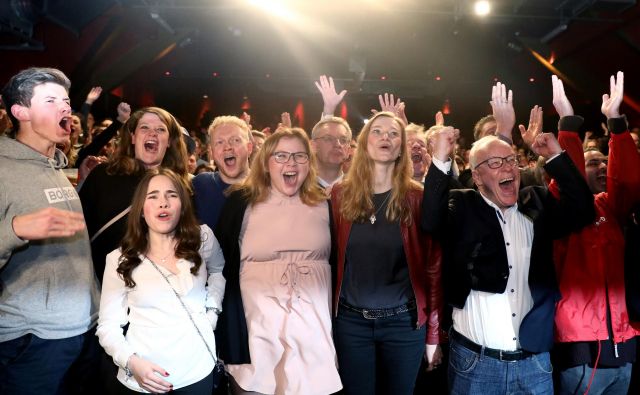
column 501, row 355
column 372, row 314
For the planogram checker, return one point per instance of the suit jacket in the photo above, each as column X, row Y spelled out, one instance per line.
column 473, row 245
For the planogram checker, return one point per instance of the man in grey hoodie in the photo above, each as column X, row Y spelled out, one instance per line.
column 48, row 291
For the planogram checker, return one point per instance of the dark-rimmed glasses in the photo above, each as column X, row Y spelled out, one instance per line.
column 298, row 157
column 497, row 162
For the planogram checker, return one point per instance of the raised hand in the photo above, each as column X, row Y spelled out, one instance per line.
column 546, row 145
column 247, row 119
column 93, row 95
column 611, row 102
column 503, row 112
column 47, row 223
column 439, row 119
column 535, row 126
column 285, row 119
column 443, row 142
column 124, row 112
column 144, row 372
column 330, row 97
column 560, row 100
column 388, row 103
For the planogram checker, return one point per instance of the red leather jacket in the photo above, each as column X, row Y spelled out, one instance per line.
column 424, row 258
column 590, row 263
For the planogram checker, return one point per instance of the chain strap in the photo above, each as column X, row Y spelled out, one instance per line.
column 185, row 308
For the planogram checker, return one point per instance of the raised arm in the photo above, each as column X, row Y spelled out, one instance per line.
column 503, row 112
column 330, row 97
column 388, row 103
column 623, row 176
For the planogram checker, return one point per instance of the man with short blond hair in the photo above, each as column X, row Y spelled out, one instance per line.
column 330, row 139
column 230, row 147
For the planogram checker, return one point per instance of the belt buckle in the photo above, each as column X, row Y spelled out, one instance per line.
column 501, row 357
column 366, row 314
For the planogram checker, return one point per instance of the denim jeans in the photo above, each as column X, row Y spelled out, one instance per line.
column 611, row 381
column 31, row 365
column 378, row 356
column 471, row 373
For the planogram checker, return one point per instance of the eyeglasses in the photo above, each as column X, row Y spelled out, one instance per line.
column 232, row 141
column 391, row 134
column 497, row 162
column 596, row 162
column 298, row 157
column 332, row 139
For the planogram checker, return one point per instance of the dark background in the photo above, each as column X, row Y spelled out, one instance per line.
column 223, row 56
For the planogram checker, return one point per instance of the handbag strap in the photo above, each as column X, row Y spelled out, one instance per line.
column 111, row 222
column 184, row 307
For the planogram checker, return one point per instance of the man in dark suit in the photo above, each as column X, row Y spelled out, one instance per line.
column 498, row 271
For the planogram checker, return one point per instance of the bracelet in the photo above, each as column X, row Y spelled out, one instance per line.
column 128, row 371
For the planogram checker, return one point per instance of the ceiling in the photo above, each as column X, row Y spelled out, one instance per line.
column 192, row 56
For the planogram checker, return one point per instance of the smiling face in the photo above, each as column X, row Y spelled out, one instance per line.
column 384, row 140
column 288, row 177
column 231, row 148
column 499, row 185
column 150, row 140
column 162, row 206
column 47, row 121
column 420, row 159
column 595, row 166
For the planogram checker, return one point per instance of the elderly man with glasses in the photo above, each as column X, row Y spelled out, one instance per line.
column 498, row 271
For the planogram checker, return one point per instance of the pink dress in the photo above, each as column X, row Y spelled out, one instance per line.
column 285, row 280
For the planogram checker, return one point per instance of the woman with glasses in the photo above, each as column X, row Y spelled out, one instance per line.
column 387, row 300
column 275, row 327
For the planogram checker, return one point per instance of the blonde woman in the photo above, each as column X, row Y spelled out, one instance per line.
column 275, row 326
column 388, row 298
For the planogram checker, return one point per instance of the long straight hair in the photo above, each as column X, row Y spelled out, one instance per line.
column 136, row 240
column 356, row 203
column 255, row 187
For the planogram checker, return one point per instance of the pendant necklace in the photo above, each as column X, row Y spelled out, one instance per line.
column 163, row 261
column 373, row 218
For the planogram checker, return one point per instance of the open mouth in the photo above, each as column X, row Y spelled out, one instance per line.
column 290, row 178
column 416, row 158
column 65, row 123
column 230, row 161
column 507, row 184
column 164, row 216
column 151, row 146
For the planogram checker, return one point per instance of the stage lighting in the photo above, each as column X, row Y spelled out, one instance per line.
column 482, row 8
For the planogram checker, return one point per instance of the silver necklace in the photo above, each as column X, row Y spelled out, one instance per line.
column 373, row 218
column 162, row 260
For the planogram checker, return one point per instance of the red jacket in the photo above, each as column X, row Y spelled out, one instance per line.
column 424, row 258
column 590, row 263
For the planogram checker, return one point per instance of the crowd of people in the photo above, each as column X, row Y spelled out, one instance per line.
column 315, row 262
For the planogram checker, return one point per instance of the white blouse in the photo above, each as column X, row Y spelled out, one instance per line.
column 159, row 328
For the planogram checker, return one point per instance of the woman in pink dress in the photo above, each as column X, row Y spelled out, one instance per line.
column 275, row 326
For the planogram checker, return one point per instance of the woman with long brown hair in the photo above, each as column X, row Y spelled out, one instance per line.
column 165, row 281
column 150, row 138
column 387, row 299
column 275, row 328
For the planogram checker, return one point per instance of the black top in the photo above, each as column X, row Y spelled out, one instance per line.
column 104, row 196
column 568, row 355
column 376, row 270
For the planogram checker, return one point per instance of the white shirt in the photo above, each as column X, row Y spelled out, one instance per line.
column 493, row 320
column 160, row 329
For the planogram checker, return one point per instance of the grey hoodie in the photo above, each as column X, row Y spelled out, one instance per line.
column 47, row 287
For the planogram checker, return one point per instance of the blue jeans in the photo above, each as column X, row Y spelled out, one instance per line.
column 378, row 356
column 471, row 373
column 31, row 365
column 611, row 381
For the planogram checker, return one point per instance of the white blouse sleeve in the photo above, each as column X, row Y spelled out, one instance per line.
column 113, row 313
column 213, row 258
